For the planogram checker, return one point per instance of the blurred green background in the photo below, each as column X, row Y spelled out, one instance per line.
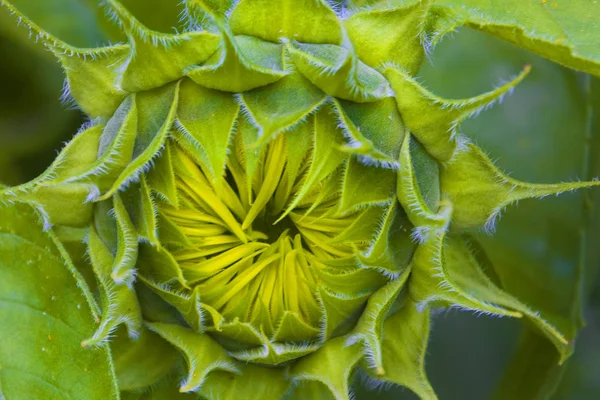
column 538, row 134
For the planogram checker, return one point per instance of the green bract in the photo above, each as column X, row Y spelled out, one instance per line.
column 272, row 193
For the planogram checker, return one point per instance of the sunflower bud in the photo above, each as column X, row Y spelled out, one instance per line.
column 275, row 195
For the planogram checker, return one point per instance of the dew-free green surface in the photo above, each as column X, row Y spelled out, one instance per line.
column 564, row 31
column 44, row 318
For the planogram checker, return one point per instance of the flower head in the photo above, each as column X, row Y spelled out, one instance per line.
column 274, row 194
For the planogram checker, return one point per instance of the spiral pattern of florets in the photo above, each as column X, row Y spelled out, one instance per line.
column 253, row 259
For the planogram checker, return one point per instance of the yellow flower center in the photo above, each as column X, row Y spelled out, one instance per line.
column 253, row 256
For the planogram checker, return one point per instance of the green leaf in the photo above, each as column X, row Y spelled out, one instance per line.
column 565, row 32
column 44, row 318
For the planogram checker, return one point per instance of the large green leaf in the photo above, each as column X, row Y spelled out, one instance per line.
column 45, row 317
column 562, row 31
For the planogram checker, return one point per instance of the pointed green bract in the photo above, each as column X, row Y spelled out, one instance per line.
column 307, row 21
column 188, row 305
column 96, row 71
column 143, row 362
column 369, row 329
column 281, row 105
column 127, row 246
column 418, row 188
column 366, row 185
column 140, row 205
column 445, row 270
column 241, row 63
column 434, row 121
column 206, row 120
column 155, row 115
column 119, row 302
column 332, row 366
column 479, row 191
column 403, row 350
column 390, row 34
column 392, row 248
column 266, row 383
column 374, row 131
column 202, row 354
column 161, row 178
column 148, row 49
column 334, row 70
